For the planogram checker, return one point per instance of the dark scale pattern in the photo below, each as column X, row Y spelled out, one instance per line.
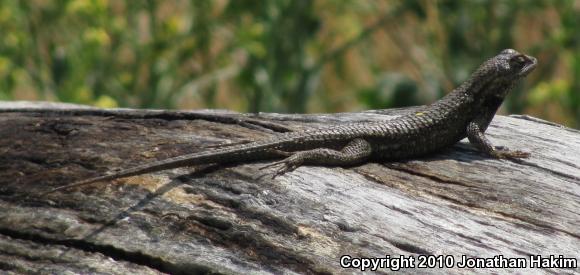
column 465, row 112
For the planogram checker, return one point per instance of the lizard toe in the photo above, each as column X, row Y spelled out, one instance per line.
column 288, row 164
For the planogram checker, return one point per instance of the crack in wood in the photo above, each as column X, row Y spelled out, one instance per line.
column 116, row 253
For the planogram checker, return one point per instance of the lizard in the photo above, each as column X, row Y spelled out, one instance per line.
column 465, row 112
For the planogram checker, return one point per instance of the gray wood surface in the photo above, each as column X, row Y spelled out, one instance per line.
column 237, row 220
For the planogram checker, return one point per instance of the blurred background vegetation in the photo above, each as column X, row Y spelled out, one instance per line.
column 283, row 55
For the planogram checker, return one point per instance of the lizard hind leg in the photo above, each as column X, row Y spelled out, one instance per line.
column 356, row 151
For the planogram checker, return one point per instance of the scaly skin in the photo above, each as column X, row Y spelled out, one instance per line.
column 465, row 112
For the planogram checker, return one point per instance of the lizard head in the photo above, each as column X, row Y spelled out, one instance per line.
column 511, row 64
column 499, row 74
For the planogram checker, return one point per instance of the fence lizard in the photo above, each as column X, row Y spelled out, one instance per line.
column 465, row 112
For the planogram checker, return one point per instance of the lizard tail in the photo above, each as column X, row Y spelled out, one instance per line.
column 121, row 174
column 241, row 152
column 77, row 184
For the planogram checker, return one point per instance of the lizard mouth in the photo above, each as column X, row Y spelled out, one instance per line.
column 530, row 65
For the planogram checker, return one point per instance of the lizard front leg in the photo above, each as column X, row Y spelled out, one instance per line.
column 356, row 151
column 477, row 137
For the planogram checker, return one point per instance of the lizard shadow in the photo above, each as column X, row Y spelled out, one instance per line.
column 467, row 153
column 143, row 202
column 462, row 152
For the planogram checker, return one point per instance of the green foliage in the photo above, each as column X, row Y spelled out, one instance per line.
column 283, row 55
column 392, row 90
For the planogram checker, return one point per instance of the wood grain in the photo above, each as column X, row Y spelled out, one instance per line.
column 237, row 220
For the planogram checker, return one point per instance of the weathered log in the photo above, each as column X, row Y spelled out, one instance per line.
column 236, row 219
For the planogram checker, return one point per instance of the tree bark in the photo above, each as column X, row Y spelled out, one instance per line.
column 237, row 220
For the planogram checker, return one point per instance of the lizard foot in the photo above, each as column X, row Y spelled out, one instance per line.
column 505, row 153
column 288, row 164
